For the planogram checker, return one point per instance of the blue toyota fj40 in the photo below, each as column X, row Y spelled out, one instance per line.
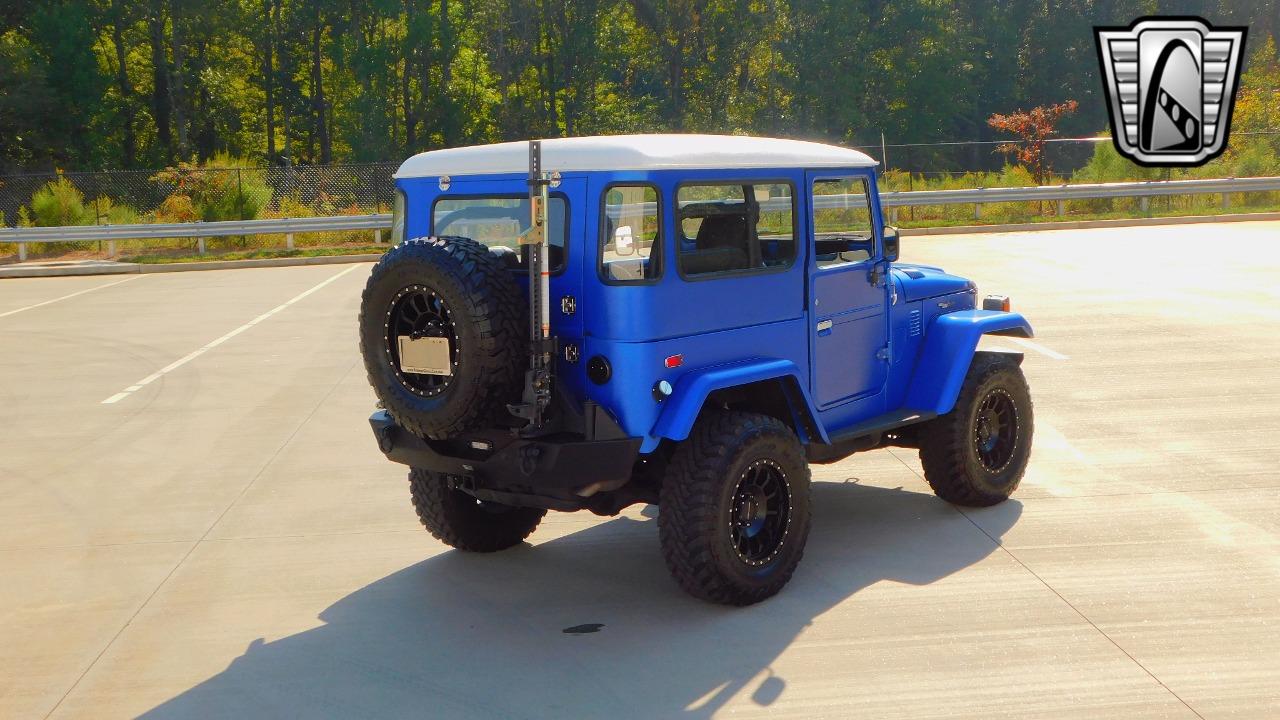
column 685, row 320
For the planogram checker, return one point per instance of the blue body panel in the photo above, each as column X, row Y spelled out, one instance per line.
column 924, row 282
column 948, row 350
column 902, row 344
column 680, row 412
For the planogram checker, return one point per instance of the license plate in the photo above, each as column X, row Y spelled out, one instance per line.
column 424, row 356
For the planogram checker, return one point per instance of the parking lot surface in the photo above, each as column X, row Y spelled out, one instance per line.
column 195, row 521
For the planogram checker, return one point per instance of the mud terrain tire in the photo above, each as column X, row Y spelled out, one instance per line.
column 444, row 287
column 976, row 454
column 459, row 520
column 733, row 513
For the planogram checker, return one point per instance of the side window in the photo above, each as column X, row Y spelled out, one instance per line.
column 631, row 244
column 842, row 228
column 727, row 228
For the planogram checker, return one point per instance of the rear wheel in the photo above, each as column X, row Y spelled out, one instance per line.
column 460, row 520
column 733, row 514
column 977, row 453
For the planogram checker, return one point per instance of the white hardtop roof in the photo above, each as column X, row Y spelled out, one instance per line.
column 634, row 152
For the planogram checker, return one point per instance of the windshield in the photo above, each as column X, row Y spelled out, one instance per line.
column 498, row 221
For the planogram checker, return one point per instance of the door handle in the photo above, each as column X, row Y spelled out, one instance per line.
column 824, row 327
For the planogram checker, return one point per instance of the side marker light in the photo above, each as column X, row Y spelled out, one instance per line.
column 996, row 302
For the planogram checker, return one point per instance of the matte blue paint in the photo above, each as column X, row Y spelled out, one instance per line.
column 948, row 350
column 749, row 327
column 677, row 418
column 926, row 282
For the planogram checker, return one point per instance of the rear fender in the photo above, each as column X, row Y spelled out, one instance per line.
column 692, row 390
column 948, row 350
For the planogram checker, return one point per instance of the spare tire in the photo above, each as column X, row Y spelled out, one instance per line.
column 452, row 288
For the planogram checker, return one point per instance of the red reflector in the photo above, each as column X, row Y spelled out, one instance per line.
column 675, row 361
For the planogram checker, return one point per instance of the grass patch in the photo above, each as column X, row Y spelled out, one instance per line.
column 259, row 254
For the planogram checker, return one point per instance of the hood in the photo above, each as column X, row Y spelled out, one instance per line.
column 920, row 282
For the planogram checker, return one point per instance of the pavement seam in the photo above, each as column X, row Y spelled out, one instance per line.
column 89, row 546
column 40, row 548
column 1238, row 488
column 1077, row 611
column 1059, row 595
column 92, row 546
column 275, row 454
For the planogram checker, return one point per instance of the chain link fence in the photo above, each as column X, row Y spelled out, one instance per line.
column 244, row 193
column 1251, row 154
column 974, row 158
column 909, row 167
column 191, row 194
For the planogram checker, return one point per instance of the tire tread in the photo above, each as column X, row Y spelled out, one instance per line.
column 943, row 440
column 441, row 514
column 497, row 307
column 689, row 503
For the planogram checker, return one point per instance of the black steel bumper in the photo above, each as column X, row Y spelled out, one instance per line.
column 557, row 473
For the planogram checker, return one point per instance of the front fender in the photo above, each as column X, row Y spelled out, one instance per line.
column 948, row 349
column 691, row 391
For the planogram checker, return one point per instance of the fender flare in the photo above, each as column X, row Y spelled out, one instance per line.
column 948, row 351
column 691, row 391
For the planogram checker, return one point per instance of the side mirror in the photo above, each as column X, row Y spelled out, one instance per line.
column 624, row 243
column 892, row 243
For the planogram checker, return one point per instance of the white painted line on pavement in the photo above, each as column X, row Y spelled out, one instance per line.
column 1039, row 348
column 197, row 353
column 68, row 297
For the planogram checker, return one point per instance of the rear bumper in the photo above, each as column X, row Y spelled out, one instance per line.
column 559, row 474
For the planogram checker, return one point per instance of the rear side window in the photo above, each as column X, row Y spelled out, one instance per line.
column 735, row 228
column 498, row 221
column 631, row 245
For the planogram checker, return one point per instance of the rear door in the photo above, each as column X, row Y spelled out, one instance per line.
column 496, row 212
column 848, row 289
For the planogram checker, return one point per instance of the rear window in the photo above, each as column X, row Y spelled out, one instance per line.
column 498, row 221
column 735, row 228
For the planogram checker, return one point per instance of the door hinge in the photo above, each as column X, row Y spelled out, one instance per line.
column 883, row 354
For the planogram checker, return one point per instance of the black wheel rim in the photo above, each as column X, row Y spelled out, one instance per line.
column 995, row 430
column 760, row 515
column 419, row 312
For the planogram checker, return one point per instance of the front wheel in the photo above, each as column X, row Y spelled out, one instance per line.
column 976, row 454
column 733, row 512
column 460, row 520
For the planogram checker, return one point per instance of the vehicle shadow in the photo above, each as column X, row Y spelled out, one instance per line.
column 461, row 635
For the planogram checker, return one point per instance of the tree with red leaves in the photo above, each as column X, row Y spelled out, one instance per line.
column 1034, row 127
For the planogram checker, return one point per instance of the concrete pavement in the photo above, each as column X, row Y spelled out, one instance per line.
column 226, row 541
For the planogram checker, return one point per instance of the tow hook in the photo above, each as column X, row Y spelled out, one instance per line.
column 529, row 459
column 385, row 440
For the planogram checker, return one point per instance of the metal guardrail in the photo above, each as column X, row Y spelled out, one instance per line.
column 1062, row 193
column 891, row 200
column 198, row 231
